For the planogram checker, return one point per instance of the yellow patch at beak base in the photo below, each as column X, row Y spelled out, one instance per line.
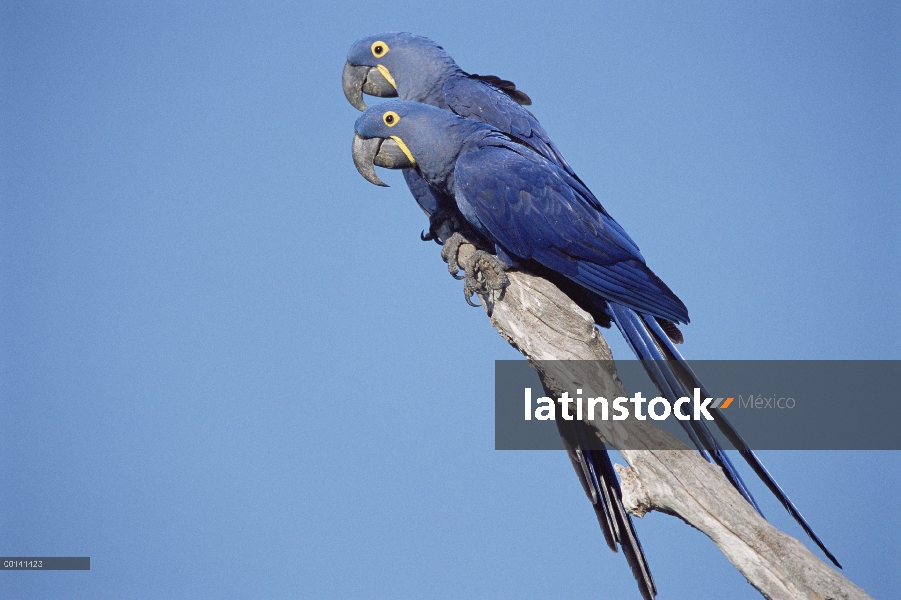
column 404, row 148
column 386, row 74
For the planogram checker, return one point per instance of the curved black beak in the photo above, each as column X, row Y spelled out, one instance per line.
column 364, row 151
column 381, row 152
column 359, row 79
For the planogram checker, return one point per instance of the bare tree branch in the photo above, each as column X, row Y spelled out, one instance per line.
column 543, row 323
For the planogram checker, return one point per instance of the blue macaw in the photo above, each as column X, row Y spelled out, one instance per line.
column 534, row 212
column 416, row 69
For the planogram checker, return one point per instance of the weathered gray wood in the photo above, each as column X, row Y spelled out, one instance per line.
column 540, row 321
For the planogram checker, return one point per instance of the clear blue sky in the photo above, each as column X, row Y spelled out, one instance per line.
column 229, row 367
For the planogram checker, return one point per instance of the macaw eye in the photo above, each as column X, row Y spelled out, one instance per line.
column 379, row 49
column 390, row 118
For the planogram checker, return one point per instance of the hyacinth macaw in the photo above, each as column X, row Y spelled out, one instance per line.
column 533, row 212
column 415, row 68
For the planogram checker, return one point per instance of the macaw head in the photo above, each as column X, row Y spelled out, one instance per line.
column 392, row 65
column 404, row 135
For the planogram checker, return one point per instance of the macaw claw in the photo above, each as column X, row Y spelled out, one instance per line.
column 484, row 272
column 450, row 253
column 484, row 275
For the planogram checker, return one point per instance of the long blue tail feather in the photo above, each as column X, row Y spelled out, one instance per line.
column 736, row 440
column 601, row 463
column 599, row 481
column 645, row 346
column 638, row 344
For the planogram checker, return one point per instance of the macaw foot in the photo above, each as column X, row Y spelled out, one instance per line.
column 450, row 253
column 443, row 223
column 484, row 275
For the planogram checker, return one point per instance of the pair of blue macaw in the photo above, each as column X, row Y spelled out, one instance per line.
column 476, row 160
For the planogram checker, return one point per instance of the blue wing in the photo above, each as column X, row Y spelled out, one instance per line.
column 479, row 100
column 533, row 209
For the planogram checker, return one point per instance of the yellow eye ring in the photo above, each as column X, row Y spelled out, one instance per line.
column 390, row 118
column 379, row 49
